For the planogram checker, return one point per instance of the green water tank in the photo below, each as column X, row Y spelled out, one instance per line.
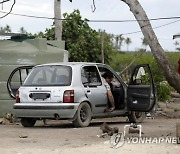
column 20, row 52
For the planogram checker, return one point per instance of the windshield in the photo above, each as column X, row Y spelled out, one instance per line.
column 54, row 75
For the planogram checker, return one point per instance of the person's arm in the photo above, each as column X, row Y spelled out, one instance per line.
column 109, row 94
column 111, row 98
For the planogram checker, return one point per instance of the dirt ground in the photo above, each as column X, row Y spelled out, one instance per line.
column 60, row 137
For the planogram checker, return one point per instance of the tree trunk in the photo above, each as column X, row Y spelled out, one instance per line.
column 102, row 46
column 170, row 74
column 57, row 21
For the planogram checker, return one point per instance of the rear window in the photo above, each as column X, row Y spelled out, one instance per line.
column 56, row 75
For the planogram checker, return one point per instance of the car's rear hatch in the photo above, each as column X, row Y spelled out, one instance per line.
column 46, row 83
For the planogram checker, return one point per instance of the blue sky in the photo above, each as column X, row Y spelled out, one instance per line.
column 105, row 10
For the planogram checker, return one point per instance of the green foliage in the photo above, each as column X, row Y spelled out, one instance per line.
column 145, row 79
column 144, row 42
column 163, row 91
column 173, row 58
column 122, row 60
column 128, row 41
column 82, row 42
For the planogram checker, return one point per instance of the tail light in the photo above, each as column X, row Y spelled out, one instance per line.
column 68, row 96
column 17, row 97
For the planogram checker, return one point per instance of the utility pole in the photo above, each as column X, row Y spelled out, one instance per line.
column 57, row 20
column 102, row 47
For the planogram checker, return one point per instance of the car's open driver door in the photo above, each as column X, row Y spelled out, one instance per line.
column 141, row 93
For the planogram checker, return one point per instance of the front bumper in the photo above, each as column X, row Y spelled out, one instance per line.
column 45, row 110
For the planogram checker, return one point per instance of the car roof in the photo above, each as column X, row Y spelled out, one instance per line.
column 70, row 63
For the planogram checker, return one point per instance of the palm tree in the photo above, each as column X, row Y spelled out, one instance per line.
column 22, row 30
column 118, row 42
column 128, row 41
column 176, row 43
column 2, row 30
column 7, row 29
column 144, row 42
column 121, row 39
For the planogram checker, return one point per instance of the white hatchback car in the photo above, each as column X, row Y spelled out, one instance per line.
column 75, row 91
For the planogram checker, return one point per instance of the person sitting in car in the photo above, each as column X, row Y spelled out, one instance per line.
column 108, row 77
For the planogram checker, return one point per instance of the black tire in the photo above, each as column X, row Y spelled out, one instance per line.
column 28, row 122
column 83, row 115
column 136, row 117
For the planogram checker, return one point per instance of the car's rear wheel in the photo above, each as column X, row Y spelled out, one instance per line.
column 83, row 115
column 136, row 117
column 28, row 122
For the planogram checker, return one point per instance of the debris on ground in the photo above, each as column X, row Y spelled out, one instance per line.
column 107, row 130
column 23, row 136
column 169, row 109
column 8, row 119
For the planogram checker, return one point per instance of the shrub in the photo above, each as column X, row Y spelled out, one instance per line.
column 121, row 61
column 163, row 91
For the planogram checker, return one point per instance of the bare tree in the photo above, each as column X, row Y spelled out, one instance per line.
column 57, row 19
column 171, row 75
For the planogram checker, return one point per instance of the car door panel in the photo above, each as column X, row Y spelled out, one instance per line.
column 94, row 89
column 141, row 94
column 97, row 97
column 138, row 97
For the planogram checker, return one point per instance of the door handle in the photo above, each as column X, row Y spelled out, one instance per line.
column 88, row 91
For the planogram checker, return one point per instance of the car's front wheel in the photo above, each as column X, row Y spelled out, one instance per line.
column 83, row 115
column 136, row 117
column 28, row 122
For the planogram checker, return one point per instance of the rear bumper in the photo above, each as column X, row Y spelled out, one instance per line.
column 45, row 110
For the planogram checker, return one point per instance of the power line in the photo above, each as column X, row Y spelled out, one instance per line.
column 89, row 20
column 30, row 16
column 7, row 13
column 166, row 24
column 4, row 1
column 151, row 19
column 152, row 28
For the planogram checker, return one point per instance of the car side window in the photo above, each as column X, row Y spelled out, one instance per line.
column 115, row 81
column 90, row 76
column 141, row 76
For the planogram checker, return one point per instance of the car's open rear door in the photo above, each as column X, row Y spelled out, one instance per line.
column 16, row 79
column 141, row 93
